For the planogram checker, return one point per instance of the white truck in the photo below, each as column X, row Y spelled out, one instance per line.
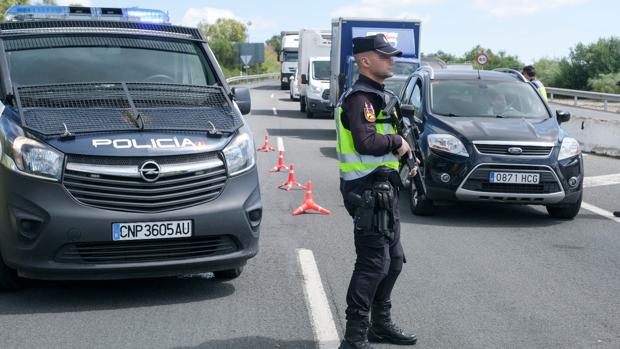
column 313, row 71
column 288, row 57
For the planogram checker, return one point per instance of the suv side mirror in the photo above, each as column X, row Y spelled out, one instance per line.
column 562, row 116
column 408, row 110
column 241, row 95
column 304, row 79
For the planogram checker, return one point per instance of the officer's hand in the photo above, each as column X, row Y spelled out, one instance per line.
column 404, row 148
column 414, row 171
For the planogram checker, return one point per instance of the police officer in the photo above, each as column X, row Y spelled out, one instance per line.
column 367, row 147
column 529, row 72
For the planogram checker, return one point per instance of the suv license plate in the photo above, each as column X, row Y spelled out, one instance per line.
column 151, row 230
column 514, row 177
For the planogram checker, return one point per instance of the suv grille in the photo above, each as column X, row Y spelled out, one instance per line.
column 140, row 251
column 115, row 183
column 479, row 180
column 502, row 149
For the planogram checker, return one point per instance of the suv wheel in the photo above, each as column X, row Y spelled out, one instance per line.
column 420, row 206
column 565, row 211
column 9, row 281
column 228, row 274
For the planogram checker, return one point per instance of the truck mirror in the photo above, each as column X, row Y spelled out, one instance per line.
column 241, row 95
column 304, row 79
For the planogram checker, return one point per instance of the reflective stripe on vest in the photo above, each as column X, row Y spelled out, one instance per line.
column 354, row 165
column 541, row 88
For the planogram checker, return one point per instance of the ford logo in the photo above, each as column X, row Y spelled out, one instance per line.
column 515, row 150
column 149, row 171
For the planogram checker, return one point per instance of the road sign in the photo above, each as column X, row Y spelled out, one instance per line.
column 246, row 59
column 482, row 58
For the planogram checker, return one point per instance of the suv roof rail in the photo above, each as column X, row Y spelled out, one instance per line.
column 428, row 69
column 517, row 74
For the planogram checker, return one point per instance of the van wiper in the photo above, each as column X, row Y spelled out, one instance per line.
column 452, row 115
column 499, row 116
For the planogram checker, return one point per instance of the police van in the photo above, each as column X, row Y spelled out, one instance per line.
column 124, row 152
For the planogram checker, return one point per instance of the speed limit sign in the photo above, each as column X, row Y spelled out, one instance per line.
column 482, row 58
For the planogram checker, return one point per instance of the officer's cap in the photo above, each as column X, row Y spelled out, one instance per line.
column 377, row 42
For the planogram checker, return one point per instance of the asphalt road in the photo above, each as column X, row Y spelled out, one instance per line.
column 478, row 276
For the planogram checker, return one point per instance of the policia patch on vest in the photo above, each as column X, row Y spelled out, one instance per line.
column 369, row 112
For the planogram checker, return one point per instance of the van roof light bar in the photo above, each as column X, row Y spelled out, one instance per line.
column 22, row 13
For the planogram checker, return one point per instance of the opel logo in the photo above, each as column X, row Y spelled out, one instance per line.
column 149, row 171
column 515, row 150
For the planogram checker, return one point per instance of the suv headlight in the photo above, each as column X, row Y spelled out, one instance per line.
column 240, row 153
column 447, row 143
column 34, row 158
column 570, row 147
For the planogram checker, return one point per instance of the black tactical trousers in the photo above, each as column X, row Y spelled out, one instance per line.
column 378, row 264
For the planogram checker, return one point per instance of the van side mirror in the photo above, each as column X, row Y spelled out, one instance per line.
column 562, row 116
column 241, row 95
column 304, row 79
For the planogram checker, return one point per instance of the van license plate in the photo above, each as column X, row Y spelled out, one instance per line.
column 151, row 230
column 514, row 177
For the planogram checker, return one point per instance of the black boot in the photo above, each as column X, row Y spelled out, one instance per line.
column 383, row 330
column 355, row 335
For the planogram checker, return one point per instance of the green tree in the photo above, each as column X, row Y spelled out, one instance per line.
column 606, row 83
column 496, row 60
column 444, row 56
column 275, row 42
column 221, row 36
column 548, row 71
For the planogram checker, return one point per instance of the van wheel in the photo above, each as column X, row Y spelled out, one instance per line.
column 9, row 280
column 565, row 211
column 228, row 274
column 302, row 104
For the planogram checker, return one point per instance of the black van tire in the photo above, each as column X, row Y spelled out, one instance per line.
column 228, row 274
column 565, row 211
column 9, row 280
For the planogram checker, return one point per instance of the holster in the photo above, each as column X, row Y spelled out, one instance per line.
column 374, row 212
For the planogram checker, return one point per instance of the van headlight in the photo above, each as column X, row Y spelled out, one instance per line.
column 317, row 89
column 34, row 158
column 240, row 153
column 570, row 147
column 447, row 143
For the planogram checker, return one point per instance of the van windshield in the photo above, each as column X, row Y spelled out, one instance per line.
column 122, row 59
column 320, row 70
column 486, row 98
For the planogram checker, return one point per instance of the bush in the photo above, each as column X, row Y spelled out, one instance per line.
column 606, row 83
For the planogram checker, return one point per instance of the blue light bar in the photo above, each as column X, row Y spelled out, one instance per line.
column 21, row 13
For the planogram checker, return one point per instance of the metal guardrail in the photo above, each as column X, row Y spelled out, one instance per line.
column 576, row 94
column 252, row 78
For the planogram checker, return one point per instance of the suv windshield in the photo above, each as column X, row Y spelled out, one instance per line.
column 484, row 98
column 320, row 70
column 121, row 59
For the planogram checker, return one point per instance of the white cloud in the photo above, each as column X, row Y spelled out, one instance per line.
column 382, row 9
column 507, row 8
column 193, row 16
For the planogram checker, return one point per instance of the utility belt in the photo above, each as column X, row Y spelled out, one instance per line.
column 374, row 209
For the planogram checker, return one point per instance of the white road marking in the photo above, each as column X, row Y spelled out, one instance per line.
column 275, row 111
column 600, row 211
column 280, row 143
column 597, row 181
column 320, row 314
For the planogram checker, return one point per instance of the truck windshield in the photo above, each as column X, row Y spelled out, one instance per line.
column 480, row 98
column 290, row 56
column 172, row 62
column 320, row 70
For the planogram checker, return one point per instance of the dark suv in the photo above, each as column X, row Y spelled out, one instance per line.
column 488, row 136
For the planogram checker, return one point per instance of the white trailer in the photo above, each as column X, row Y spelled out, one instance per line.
column 313, row 63
column 288, row 56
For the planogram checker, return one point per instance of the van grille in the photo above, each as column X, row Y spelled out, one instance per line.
column 140, row 251
column 115, row 183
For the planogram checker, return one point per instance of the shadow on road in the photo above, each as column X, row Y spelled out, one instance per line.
column 253, row 343
column 267, row 88
column 77, row 296
column 468, row 214
column 281, row 113
column 329, row 152
column 304, row 133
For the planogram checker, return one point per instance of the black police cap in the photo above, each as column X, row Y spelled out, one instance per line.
column 377, row 42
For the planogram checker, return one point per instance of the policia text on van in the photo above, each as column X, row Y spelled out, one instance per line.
column 124, row 151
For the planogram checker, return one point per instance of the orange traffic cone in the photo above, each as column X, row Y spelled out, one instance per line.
column 266, row 146
column 309, row 204
column 291, row 181
column 280, row 164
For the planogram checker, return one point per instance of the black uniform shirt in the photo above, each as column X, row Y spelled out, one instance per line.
column 354, row 118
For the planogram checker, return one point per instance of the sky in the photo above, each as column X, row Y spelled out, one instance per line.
column 529, row 29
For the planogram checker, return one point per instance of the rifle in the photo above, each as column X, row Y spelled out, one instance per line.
column 410, row 133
